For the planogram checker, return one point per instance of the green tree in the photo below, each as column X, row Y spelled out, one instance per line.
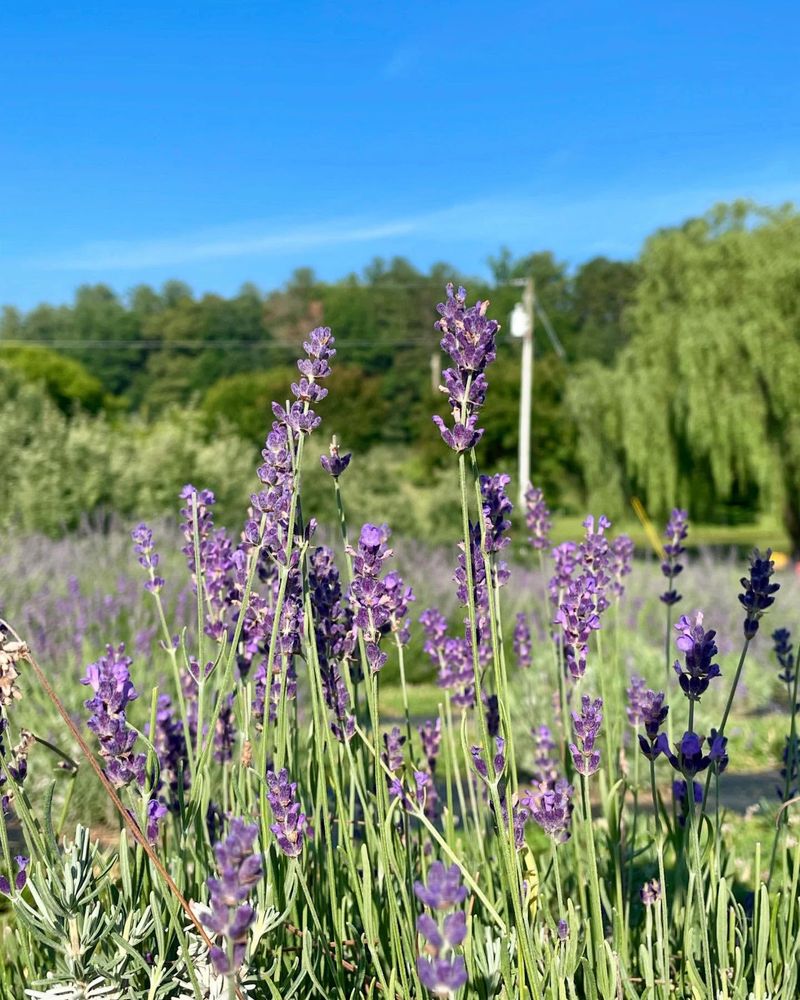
column 701, row 407
column 66, row 381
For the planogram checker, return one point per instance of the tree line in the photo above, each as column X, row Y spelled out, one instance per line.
column 679, row 383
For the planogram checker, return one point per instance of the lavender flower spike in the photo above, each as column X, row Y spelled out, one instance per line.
column 230, row 915
column 442, row 971
column 537, row 518
column 291, row 826
column 522, row 641
column 109, row 677
column 758, row 591
column 677, row 530
column 699, row 648
column 469, row 338
column 587, row 728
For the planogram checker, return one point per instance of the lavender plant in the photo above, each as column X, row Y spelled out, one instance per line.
column 276, row 823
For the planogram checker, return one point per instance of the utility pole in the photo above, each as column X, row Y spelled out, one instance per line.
column 522, row 319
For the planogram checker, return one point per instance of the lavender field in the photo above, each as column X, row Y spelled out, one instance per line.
column 276, row 760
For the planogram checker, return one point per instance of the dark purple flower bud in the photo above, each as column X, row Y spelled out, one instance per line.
column 563, row 930
column 156, row 811
column 585, row 756
column 758, row 591
column 677, row 530
column 492, row 714
column 498, row 762
column 650, row 892
column 791, row 768
column 336, row 463
column 680, row 793
column 784, row 652
column 653, row 714
column 699, row 649
column 537, row 518
column 291, row 826
column 523, row 649
column 20, row 879
column 229, row 915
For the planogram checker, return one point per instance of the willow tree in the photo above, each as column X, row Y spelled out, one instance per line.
column 703, row 404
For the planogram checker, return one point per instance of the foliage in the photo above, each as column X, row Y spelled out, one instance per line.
column 59, row 472
column 701, row 406
column 68, row 383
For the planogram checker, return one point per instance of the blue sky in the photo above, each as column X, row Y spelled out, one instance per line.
column 220, row 142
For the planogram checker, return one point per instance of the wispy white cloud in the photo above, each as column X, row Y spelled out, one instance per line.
column 612, row 222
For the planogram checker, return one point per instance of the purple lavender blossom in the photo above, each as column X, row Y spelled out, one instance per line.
column 336, row 463
column 551, row 808
column 650, row 893
column 498, row 762
column 578, row 617
column 170, row 745
column 441, row 970
column 156, row 811
column 523, row 650
column 545, row 763
column 332, row 623
column 379, row 604
column 699, row 648
column 469, row 339
column 393, row 756
column 451, row 656
column 677, row 530
column 596, row 557
column 444, row 889
column 620, row 562
column 430, row 734
column 680, row 793
column 20, row 879
column 566, row 559
column 652, row 713
column 635, row 693
column 109, row 678
column 689, row 758
column 585, row 756
column 790, row 771
column 229, row 914
column 784, row 652
column 537, row 518
column 758, row 591
column 291, row 826
column 148, row 558
column 496, row 508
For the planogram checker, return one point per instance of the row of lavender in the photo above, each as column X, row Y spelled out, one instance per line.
column 278, row 840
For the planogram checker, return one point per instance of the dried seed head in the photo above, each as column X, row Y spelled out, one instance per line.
column 247, row 753
column 11, row 652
